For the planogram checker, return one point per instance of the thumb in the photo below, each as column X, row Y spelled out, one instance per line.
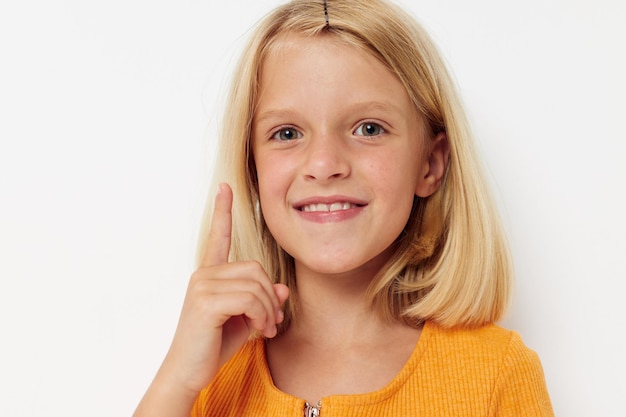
column 282, row 292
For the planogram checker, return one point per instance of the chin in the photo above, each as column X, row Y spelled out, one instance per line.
column 326, row 265
column 336, row 265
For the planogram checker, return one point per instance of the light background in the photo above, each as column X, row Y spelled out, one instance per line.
column 104, row 164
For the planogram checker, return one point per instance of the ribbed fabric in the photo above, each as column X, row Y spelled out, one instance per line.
column 452, row 372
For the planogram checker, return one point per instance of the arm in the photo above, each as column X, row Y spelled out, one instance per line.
column 225, row 303
column 521, row 389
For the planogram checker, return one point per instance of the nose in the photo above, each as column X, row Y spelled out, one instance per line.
column 326, row 158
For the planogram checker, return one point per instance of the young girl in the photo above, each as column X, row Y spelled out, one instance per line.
column 353, row 263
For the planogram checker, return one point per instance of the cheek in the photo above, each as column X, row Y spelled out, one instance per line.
column 393, row 173
column 273, row 176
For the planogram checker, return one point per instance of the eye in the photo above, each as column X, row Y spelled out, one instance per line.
column 369, row 129
column 286, row 134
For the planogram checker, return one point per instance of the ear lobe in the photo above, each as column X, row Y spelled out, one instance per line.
column 435, row 166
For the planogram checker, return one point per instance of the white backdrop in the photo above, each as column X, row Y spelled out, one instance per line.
column 104, row 168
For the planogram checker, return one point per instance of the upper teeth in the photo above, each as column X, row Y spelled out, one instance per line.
column 328, row 207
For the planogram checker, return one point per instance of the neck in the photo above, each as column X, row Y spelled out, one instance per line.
column 335, row 305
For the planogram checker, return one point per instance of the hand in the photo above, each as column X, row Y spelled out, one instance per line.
column 225, row 304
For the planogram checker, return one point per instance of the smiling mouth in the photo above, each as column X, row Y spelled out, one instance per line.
column 328, row 208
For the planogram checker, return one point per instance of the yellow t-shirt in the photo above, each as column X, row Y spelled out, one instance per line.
column 452, row 372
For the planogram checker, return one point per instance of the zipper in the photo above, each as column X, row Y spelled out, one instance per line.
column 312, row 410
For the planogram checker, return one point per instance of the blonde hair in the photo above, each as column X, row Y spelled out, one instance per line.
column 451, row 264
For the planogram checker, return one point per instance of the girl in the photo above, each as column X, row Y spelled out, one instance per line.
column 353, row 263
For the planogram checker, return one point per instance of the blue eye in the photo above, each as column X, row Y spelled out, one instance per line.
column 287, row 134
column 369, row 129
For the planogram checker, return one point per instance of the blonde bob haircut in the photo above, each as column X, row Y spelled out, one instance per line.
column 451, row 263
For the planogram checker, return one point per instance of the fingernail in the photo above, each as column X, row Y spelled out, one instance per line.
column 280, row 316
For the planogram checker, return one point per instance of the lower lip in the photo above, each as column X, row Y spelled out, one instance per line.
column 331, row 216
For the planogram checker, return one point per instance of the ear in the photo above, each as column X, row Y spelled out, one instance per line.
column 435, row 165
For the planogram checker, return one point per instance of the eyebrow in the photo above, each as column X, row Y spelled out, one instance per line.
column 360, row 106
column 273, row 114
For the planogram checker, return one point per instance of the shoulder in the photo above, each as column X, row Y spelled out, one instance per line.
column 487, row 333
column 489, row 348
column 489, row 340
column 496, row 362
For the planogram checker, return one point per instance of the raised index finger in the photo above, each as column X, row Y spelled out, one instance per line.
column 218, row 243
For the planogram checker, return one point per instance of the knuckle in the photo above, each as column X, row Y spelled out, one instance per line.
column 254, row 270
column 254, row 306
column 248, row 299
column 253, row 266
column 256, row 286
column 198, row 275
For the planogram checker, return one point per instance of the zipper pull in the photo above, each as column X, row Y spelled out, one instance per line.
column 312, row 410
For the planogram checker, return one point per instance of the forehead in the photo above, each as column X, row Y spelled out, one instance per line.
column 326, row 60
column 289, row 41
